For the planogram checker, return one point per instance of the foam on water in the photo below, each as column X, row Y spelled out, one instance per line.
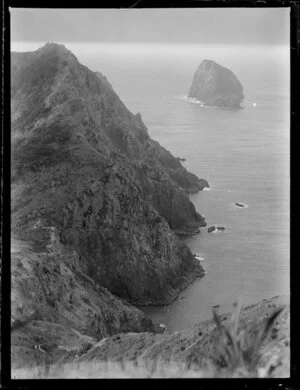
column 199, row 256
column 216, row 231
column 191, row 100
column 202, row 104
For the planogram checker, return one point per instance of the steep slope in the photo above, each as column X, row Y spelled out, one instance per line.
column 84, row 165
column 56, row 307
column 216, row 85
column 195, row 349
column 197, row 345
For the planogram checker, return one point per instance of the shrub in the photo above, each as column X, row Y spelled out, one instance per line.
column 235, row 349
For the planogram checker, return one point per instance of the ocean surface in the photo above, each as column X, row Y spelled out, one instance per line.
column 243, row 154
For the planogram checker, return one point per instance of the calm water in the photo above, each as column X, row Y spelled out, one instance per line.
column 243, row 154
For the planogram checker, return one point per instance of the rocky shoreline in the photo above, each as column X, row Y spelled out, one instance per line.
column 197, row 272
column 125, row 193
column 99, row 214
column 95, row 204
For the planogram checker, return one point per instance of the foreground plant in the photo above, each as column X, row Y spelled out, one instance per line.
column 239, row 348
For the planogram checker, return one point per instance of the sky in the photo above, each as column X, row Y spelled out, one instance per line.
column 194, row 26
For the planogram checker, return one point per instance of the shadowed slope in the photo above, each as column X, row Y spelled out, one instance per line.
column 85, row 165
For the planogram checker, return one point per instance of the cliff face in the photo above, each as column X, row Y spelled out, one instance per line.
column 85, row 167
column 215, row 85
column 49, row 286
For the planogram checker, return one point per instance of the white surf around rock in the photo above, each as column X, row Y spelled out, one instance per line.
column 199, row 257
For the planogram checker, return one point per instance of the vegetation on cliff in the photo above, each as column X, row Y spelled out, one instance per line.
column 82, row 163
column 94, row 203
column 252, row 343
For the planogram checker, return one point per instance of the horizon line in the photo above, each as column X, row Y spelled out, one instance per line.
column 150, row 43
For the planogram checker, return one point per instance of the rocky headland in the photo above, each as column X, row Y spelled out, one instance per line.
column 97, row 211
column 95, row 204
column 215, row 85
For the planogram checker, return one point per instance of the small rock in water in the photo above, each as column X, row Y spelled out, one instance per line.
column 221, row 228
column 211, row 229
column 239, row 204
column 216, row 306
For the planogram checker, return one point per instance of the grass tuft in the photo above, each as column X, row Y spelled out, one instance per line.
column 235, row 347
column 239, row 352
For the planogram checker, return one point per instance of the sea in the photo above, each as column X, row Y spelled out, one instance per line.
column 244, row 155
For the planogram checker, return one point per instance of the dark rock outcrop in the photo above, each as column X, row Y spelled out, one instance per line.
column 48, row 286
column 239, row 204
column 217, row 86
column 221, row 228
column 211, row 229
column 94, row 200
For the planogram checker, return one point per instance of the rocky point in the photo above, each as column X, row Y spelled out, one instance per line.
column 95, row 204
